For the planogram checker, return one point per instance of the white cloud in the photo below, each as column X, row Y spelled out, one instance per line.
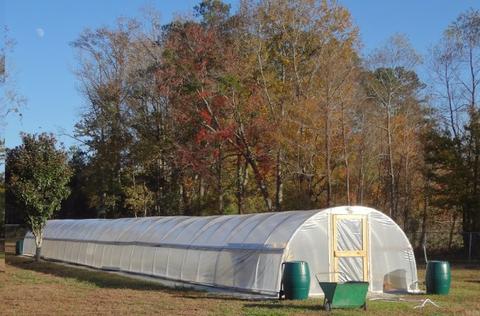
column 40, row 32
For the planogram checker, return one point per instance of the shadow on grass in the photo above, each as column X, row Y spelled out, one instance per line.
column 472, row 281
column 223, row 297
column 286, row 306
column 98, row 278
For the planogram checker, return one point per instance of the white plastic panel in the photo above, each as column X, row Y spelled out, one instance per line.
column 350, row 268
column 393, row 264
column 349, row 234
column 311, row 244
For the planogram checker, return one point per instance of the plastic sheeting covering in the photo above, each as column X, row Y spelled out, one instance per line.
column 350, row 237
column 236, row 252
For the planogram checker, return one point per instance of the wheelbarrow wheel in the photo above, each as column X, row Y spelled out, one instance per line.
column 327, row 306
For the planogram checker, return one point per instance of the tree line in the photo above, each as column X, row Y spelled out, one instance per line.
column 270, row 108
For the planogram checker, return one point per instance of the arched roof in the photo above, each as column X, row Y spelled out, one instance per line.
column 261, row 231
column 267, row 231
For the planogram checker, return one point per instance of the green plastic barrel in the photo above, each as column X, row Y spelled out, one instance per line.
column 438, row 277
column 296, row 280
column 19, row 247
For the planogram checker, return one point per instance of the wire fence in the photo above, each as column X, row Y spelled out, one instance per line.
column 473, row 241
column 447, row 244
column 14, row 232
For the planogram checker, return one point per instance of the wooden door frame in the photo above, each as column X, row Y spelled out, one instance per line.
column 363, row 253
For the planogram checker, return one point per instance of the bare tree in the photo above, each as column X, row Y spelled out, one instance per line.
column 390, row 65
column 10, row 100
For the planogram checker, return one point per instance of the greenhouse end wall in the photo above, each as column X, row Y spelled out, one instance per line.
column 391, row 262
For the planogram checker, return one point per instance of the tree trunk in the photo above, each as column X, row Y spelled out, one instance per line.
column 239, row 185
column 328, row 154
column 262, row 186
column 201, row 189
column 38, row 253
column 473, row 79
column 181, row 198
column 450, row 103
column 219, row 181
column 425, row 215
column 391, row 174
column 278, row 182
column 452, row 229
column 345, row 157
column 145, row 205
column 475, row 135
column 38, row 244
column 361, row 171
column 361, row 176
column 406, row 192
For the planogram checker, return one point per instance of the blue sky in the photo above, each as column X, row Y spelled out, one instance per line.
column 43, row 59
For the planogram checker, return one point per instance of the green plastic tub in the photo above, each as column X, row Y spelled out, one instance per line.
column 351, row 294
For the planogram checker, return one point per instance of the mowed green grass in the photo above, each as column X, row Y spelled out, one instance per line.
column 48, row 288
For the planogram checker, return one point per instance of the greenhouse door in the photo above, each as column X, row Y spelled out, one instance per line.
column 349, row 248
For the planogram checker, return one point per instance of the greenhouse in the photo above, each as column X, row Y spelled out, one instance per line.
column 241, row 253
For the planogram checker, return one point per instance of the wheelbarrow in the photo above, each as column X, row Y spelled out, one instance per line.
column 350, row 294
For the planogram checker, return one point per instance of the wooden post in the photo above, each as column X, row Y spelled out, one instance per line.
column 470, row 246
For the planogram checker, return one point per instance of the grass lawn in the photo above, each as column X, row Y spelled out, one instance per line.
column 48, row 288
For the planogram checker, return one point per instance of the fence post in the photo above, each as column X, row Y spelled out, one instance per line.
column 424, row 245
column 470, row 246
